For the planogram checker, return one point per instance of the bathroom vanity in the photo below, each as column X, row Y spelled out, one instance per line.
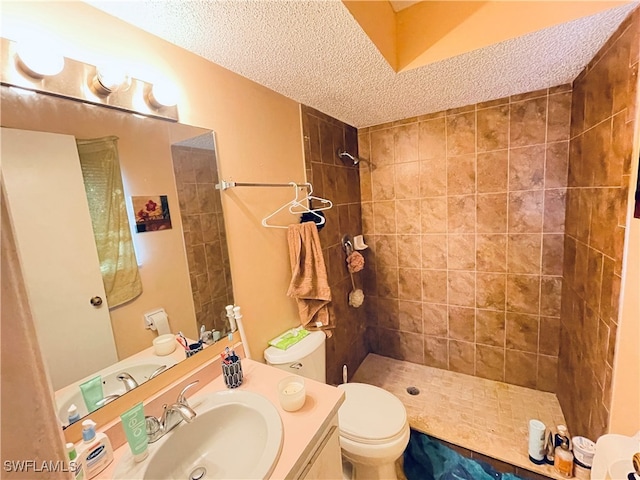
column 310, row 447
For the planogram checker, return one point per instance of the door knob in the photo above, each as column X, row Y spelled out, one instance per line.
column 96, row 301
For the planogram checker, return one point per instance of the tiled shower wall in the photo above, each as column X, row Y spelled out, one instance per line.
column 602, row 127
column 196, row 173
column 464, row 213
column 339, row 182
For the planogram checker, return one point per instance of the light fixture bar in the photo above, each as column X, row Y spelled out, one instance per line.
column 74, row 82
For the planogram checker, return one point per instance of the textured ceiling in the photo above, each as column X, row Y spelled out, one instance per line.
column 316, row 53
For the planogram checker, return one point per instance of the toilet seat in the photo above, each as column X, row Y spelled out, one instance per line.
column 371, row 415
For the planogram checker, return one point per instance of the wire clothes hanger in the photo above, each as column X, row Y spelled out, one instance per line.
column 297, row 203
column 326, row 204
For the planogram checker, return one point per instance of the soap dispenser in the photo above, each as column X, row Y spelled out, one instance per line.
column 563, row 459
column 72, row 414
column 95, row 452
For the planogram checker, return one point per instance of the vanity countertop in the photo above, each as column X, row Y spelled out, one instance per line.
column 302, row 429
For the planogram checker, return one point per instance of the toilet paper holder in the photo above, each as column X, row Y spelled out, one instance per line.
column 150, row 318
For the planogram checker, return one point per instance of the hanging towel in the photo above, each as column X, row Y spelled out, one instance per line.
column 309, row 281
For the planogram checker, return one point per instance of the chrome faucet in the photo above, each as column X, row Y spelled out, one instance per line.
column 158, row 371
column 171, row 417
column 107, row 399
column 129, row 382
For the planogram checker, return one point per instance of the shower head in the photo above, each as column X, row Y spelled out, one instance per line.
column 344, row 155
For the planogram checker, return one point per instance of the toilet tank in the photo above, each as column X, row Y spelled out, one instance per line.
column 306, row 358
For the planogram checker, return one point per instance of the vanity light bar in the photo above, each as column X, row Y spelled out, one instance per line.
column 82, row 82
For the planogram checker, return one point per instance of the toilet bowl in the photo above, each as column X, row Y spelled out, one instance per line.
column 374, row 430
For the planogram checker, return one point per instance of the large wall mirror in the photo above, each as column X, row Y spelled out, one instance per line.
column 183, row 268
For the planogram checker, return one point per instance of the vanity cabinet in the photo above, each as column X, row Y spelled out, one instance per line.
column 325, row 462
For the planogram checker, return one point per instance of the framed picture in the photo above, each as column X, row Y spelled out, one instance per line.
column 152, row 213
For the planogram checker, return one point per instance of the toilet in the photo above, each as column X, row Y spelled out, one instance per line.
column 374, row 430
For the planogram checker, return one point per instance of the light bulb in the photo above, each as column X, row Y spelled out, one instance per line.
column 109, row 79
column 163, row 94
column 38, row 61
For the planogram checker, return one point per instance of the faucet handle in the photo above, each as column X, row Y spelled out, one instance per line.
column 181, row 397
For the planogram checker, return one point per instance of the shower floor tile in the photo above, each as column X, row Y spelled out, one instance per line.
column 485, row 416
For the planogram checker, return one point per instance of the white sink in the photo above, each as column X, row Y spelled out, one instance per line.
column 612, row 460
column 140, row 371
column 236, row 434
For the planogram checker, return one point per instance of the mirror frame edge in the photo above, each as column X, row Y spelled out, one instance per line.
column 113, row 410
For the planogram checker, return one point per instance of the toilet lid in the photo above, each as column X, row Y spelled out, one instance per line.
column 370, row 414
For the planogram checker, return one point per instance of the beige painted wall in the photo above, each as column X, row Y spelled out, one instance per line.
column 624, row 418
column 258, row 135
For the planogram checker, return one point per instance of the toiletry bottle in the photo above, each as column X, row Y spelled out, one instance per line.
column 95, row 451
column 550, row 448
column 237, row 318
column 563, row 461
column 134, row 425
column 72, row 414
column 232, row 321
column 74, row 464
column 561, row 432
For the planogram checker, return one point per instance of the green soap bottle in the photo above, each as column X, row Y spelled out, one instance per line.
column 74, row 464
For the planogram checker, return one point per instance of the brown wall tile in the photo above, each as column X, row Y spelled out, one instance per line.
column 523, row 255
column 346, row 188
column 596, row 200
column 432, row 139
column 434, row 319
column 410, row 316
column 461, row 133
column 434, row 286
column 408, row 216
column 490, row 327
column 547, row 380
column 475, row 200
column 382, row 147
column 460, row 288
column 461, row 174
column 522, row 332
column 525, row 212
column 461, row 214
column 491, row 252
column 461, row 252
column 552, row 254
column 436, row 352
column 528, row 122
column 434, row 214
column 409, row 284
column 462, row 357
column 492, row 171
column 558, row 124
column 407, row 180
column 462, row 323
column 490, row 291
column 556, row 165
column 382, row 182
column 433, row 177
column 523, row 293
column 434, row 251
column 493, row 128
column 526, row 168
column 405, row 139
column 491, row 214
column 521, row 368
column 490, row 362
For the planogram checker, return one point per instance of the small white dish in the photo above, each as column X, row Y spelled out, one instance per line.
column 164, row 344
column 292, row 393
